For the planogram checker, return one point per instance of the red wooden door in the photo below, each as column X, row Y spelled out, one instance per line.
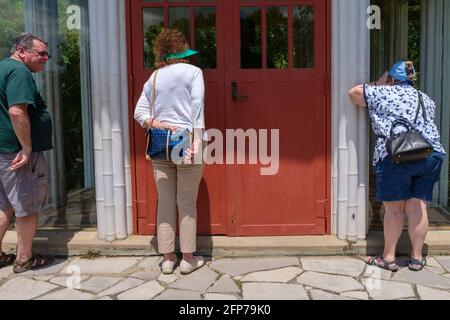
column 199, row 21
column 275, row 53
column 280, row 62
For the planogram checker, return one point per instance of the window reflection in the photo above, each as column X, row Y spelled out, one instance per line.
column 277, row 37
column 179, row 19
column 153, row 25
column 205, row 37
column 303, row 36
column 65, row 85
column 251, row 49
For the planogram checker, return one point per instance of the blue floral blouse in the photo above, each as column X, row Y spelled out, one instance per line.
column 388, row 103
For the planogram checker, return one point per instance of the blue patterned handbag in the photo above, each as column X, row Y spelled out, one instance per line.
column 164, row 144
column 167, row 145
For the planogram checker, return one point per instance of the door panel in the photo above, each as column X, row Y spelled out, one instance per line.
column 281, row 70
column 198, row 21
column 276, row 52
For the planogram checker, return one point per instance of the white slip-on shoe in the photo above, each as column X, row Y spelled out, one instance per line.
column 168, row 266
column 187, row 267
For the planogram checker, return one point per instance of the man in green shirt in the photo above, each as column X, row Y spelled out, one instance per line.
column 25, row 132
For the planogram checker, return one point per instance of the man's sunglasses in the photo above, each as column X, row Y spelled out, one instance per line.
column 41, row 53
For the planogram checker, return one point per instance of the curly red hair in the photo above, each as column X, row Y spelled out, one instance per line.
column 167, row 42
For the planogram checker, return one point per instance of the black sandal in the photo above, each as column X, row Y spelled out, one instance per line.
column 380, row 262
column 417, row 265
column 6, row 259
column 35, row 262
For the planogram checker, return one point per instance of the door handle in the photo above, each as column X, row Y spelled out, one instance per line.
column 235, row 95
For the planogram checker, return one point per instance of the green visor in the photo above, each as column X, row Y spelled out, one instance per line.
column 182, row 55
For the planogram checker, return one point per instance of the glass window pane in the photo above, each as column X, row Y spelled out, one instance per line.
column 303, row 36
column 12, row 24
column 65, row 87
column 251, row 48
column 277, row 37
column 153, row 25
column 179, row 19
column 205, row 37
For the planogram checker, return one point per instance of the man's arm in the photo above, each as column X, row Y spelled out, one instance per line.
column 356, row 95
column 22, row 128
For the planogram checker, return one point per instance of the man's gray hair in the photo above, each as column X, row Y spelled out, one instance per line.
column 25, row 40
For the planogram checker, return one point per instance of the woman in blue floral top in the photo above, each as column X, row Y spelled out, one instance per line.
column 404, row 189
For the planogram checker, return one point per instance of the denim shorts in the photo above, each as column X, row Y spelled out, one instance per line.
column 416, row 179
column 24, row 190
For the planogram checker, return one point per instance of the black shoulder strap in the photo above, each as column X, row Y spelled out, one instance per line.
column 421, row 105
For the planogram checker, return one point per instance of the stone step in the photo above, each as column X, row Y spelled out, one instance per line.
column 71, row 243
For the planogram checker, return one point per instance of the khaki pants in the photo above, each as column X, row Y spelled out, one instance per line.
column 177, row 185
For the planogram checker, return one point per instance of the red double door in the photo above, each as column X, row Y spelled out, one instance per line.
column 266, row 66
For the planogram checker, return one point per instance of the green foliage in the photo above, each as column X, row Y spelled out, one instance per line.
column 69, row 61
column 277, row 39
column 414, row 32
column 149, row 37
column 205, row 39
column 11, row 24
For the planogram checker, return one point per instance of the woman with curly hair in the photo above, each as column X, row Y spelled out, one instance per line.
column 178, row 105
column 404, row 188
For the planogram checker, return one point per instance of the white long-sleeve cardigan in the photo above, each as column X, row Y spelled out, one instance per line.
column 180, row 96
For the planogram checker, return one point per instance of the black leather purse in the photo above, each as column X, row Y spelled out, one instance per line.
column 410, row 145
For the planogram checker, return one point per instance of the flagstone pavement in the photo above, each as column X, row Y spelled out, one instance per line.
column 272, row 278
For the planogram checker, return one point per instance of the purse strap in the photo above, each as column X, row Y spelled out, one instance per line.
column 419, row 107
column 152, row 105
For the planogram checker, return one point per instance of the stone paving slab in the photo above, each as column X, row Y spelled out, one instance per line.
column 146, row 291
column 199, row 280
column 219, row 297
column 224, row 285
column 426, row 293
column 323, row 295
column 378, row 273
column 273, row 291
column 6, row 272
column 168, row 278
column 24, row 289
column 235, row 267
column 65, row 281
column 172, row 294
column 97, row 284
column 283, row 275
column 282, row 278
column 345, row 266
column 445, row 262
column 359, row 295
column 434, row 266
column 388, row 290
column 143, row 275
column 424, row 278
column 67, row 294
column 327, row 282
column 101, row 265
column 121, row 286
column 150, row 263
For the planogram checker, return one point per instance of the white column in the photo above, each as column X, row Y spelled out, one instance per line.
column 351, row 61
column 97, row 128
column 110, row 101
column 86, row 107
column 434, row 75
